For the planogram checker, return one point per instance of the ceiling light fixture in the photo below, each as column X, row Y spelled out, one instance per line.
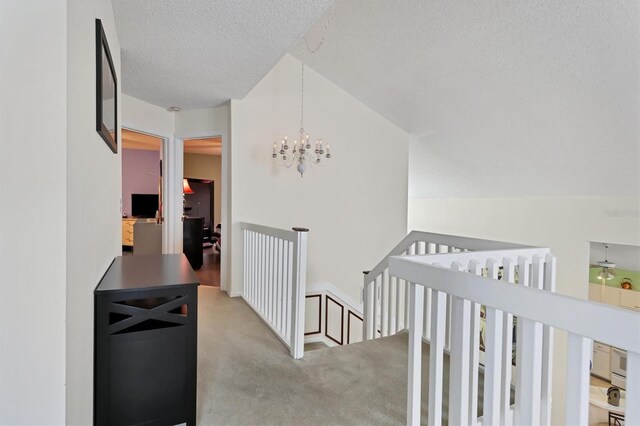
column 607, row 272
column 173, row 109
column 302, row 151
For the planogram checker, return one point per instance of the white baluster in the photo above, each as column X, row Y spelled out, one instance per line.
column 249, row 276
column 245, row 262
column 529, row 363
column 399, row 316
column 384, row 303
column 429, row 249
column 493, row 358
column 507, row 348
column 366, row 308
column 259, row 305
column 254, row 267
column 436, row 356
column 278, row 281
column 269, row 310
column 272, row 262
column 459, row 373
column 577, row 396
column 288, row 269
column 406, row 303
column 474, row 355
column 265, row 300
column 376, row 305
column 415, row 355
column 547, row 346
column 392, row 305
column 426, row 326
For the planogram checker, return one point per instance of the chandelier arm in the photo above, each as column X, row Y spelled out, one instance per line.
column 294, row 157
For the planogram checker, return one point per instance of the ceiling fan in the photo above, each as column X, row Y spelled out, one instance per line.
column 607, row 272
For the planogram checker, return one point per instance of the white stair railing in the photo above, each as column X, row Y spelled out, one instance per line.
column 274, row 278
column 471, row 278
column 385, row 297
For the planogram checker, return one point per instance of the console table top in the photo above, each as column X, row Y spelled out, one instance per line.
column 147, row 271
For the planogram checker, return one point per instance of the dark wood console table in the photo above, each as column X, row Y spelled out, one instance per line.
column 192, row 233
column 146, row 310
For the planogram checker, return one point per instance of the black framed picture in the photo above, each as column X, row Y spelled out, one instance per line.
column 106, row 91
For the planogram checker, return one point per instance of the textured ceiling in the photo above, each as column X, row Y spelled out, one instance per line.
column 504, row 98
column 200, row 53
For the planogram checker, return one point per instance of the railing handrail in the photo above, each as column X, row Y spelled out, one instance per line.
column 284, row 234
column 542, row 306
column 468, row 243
column 337, row 293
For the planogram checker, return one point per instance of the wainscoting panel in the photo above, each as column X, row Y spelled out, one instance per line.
column 313, row 315
column 334, row 320
column 354, row 327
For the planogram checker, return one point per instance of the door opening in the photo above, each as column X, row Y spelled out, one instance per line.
column 202, row 172
column 141, row 193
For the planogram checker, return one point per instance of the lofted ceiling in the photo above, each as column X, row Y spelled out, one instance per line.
column 499, row 95
column 201, row 53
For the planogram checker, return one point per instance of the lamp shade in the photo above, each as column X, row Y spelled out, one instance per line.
column 186, row 189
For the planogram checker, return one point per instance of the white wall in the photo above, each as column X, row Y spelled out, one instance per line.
column 145, row 117
column 354, row 205
column 205, row 121
column 33, row 202
column 93, row 199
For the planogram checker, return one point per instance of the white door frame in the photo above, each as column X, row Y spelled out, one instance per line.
column 172, row 170
column 167, row 144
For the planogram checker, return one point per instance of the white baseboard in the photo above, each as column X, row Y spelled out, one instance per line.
column 234, row 293
column 319, row 338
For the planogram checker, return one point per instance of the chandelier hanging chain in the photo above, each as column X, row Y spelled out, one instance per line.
column 324, row 33
column 302, row 96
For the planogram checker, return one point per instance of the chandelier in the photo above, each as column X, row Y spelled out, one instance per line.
column 303, row 152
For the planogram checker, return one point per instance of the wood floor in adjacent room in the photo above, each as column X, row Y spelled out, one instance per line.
column 209, row 273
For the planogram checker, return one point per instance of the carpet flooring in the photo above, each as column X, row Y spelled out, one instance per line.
column 246, row 376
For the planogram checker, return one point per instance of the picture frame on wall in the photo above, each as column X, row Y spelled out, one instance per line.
column 106, row 91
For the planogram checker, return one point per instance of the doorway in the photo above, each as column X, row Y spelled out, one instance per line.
column 202, row 172
column 141, row 193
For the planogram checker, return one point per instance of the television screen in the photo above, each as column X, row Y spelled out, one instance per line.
column 144, row 205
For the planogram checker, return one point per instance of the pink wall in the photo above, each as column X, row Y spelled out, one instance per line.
column 140, row 174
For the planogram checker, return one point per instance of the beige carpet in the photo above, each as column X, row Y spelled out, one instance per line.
column 246, row 376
